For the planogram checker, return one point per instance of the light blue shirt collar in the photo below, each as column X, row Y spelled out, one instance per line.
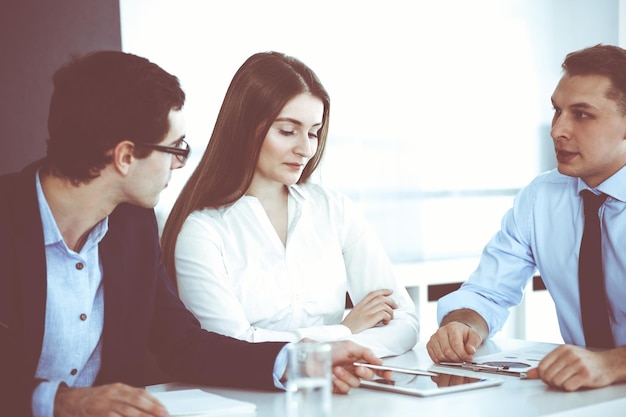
column 614, row 186
column 52, row 234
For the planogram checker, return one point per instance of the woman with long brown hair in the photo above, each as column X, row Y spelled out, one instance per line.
column 258, row 251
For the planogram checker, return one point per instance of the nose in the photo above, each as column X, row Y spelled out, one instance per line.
column 176, row 163
column 304, row 147
column 560, row 127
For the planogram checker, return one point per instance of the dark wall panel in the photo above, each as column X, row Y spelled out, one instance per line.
column 36, row 37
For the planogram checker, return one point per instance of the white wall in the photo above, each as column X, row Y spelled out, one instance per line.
column 440, row 109
column 622, row 23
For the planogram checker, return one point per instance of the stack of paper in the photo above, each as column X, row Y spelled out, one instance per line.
column 198, row 403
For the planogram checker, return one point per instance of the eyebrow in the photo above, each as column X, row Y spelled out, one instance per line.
column 179, row 139
column 581, row 105
column 294, row 121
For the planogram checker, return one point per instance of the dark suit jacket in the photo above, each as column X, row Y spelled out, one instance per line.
column 142, row 310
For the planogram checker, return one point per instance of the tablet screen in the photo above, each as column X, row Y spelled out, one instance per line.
column 424, row 386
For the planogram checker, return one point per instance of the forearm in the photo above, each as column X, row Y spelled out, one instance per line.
column 395, row 338
column 191, row 354
column 470, row 318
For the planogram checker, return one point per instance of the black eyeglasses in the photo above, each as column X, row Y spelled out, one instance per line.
column 181, row 151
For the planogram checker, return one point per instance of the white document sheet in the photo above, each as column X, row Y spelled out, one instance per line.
column 198, row 403
column 514, row 362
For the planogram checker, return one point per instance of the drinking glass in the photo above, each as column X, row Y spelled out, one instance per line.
column 309, row 383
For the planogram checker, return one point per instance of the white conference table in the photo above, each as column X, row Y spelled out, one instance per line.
column 514, row 397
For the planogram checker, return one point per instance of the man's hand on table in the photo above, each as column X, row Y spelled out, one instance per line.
column 346, row 375
column 571, row 368
column 461, row 333
column 106, row 400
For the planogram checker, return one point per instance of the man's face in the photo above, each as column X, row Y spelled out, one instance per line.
column 588, row 129
column 151, row 175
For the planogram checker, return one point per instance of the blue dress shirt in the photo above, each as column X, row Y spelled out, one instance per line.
column 542, row 232
column 72, row 345
column 71, row 351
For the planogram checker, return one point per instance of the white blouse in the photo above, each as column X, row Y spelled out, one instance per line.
column 236, row 276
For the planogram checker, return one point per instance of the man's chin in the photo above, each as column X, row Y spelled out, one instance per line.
column 146, row 204
column 565, row 171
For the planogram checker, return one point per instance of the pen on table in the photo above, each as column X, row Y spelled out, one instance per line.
column 393, row 369
column 531, row 374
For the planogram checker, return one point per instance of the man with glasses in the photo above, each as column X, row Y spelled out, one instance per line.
column 83, row 294
column 180, row 149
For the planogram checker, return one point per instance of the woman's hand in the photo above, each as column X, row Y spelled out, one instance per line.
column 377, row 307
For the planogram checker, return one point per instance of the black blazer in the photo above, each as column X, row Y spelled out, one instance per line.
column 142, row 310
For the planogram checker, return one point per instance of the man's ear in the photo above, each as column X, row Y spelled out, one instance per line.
column 123, row 156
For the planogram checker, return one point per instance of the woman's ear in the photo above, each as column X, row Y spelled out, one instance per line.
column 123, row 156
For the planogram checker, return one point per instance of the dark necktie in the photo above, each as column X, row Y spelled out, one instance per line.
column 593, row 304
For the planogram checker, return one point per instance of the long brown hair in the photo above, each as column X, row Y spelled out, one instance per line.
column 258, row 92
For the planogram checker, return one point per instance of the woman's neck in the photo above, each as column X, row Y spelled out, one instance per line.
column 274, row 202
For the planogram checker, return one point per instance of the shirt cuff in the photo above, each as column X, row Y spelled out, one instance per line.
column 43, row 398
column 494, row 315
column 280, row 366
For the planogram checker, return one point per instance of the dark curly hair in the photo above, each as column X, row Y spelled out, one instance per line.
column 101, row 99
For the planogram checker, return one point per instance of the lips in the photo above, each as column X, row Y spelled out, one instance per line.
column 294, row 165
column 565, row 156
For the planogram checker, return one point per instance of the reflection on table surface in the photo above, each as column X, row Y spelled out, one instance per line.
column 514, row 397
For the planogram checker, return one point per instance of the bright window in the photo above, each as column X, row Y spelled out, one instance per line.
column 440, row 109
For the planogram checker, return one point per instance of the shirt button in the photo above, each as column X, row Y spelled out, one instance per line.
column 83, row 317
column 79, row 266
column 74, row 371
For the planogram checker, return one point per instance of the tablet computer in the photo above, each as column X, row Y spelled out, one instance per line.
column 428, row 385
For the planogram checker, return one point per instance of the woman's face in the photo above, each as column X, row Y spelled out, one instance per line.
column 290, row 142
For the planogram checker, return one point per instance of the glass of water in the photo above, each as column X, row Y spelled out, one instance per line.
column 309, row 383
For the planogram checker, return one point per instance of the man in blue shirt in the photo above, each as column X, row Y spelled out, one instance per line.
column 544, row 229
column 83, row 293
